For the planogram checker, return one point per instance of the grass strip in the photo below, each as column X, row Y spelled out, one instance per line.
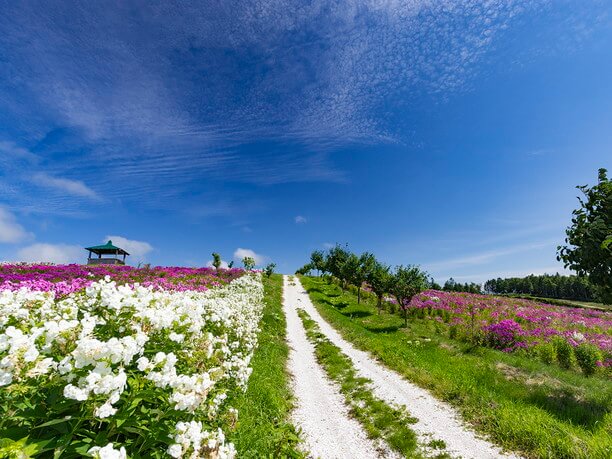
column 263, row 429
column 523, row 404
column 379, row 420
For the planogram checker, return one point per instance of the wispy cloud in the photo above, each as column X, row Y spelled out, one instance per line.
column 11, row 231
column 300, row 220
column 72, row 187
column 204, row 81
column 481, row 258
column 12, row 150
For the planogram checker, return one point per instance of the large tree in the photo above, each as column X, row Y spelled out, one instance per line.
column 588, row 251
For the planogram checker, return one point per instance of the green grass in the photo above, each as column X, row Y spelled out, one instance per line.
column 379, row 420
column 523, row 404
column 263, row 429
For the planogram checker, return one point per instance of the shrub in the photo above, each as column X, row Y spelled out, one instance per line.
column 565, row 352
column 587, row 357
column 546, row 352
column 269, row 269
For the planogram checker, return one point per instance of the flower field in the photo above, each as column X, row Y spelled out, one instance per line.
column 512, row 324
column 111, row 361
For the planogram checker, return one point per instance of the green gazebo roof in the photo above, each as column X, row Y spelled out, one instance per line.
column 106, row 249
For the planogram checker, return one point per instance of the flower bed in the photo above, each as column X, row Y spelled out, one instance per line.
column 129, row 364
column 511, row 324
column 65, row 279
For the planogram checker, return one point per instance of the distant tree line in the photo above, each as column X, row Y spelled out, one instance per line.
column 452, row 286
column 545, row 285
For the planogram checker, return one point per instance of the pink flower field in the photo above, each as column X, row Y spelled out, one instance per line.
column 510, row 324
column 65, row 279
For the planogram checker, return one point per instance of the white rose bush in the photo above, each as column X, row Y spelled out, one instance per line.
column 115, row 368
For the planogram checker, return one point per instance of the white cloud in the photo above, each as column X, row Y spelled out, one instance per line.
column 52, row 253
column 328, row 245
column 137, row 249
column 300, row 220
column 240, row 253
column 209, row 264
column 74, row 187
column 10, row 231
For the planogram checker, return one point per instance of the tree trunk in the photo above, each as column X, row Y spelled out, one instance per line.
column 405, row 318
column 358, row 295
column 379, row 304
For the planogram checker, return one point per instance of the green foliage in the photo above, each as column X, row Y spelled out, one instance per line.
column 349, row 271
column 304, row 269
column 545, row 285
column 452, row 286
column 380, row 280
column 269, row 269
column 588, row 251
column 546, row 352
column 336, row 257
column 318, row 261
column 249, row 263
column 216, row 260
column 587, row 357
column 564, row 351
column 407, row 282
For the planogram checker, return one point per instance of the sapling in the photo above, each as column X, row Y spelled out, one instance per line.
column 407, row 282
column 249, row 263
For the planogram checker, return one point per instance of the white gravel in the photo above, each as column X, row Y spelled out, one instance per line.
column 436, row 419
column 320, row 412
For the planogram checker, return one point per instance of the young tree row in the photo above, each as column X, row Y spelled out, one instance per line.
column 402, row 283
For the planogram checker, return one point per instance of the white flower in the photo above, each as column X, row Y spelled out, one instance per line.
column 75, row 393
column 108, row 452
column 175, row 450
column 105, row 411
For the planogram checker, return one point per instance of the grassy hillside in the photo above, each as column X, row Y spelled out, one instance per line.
column 263, row 429
column 541, row 410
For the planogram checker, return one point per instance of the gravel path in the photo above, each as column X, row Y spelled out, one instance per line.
column 436, row 419
column 327, row 429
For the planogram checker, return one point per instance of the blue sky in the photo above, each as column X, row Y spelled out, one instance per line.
column 447, row 134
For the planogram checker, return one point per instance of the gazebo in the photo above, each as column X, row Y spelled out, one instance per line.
column 113, row 254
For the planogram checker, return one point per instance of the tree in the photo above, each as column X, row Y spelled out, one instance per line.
column 317, row 261
column 367, row 261
column 249, row 263
column 588, row 251
column 336, row 258
column 380, row 279
column 304, row 269
column 269, row 269
column 349, row 271
column 407, row 282
column 230, row 265
column 216, row 260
